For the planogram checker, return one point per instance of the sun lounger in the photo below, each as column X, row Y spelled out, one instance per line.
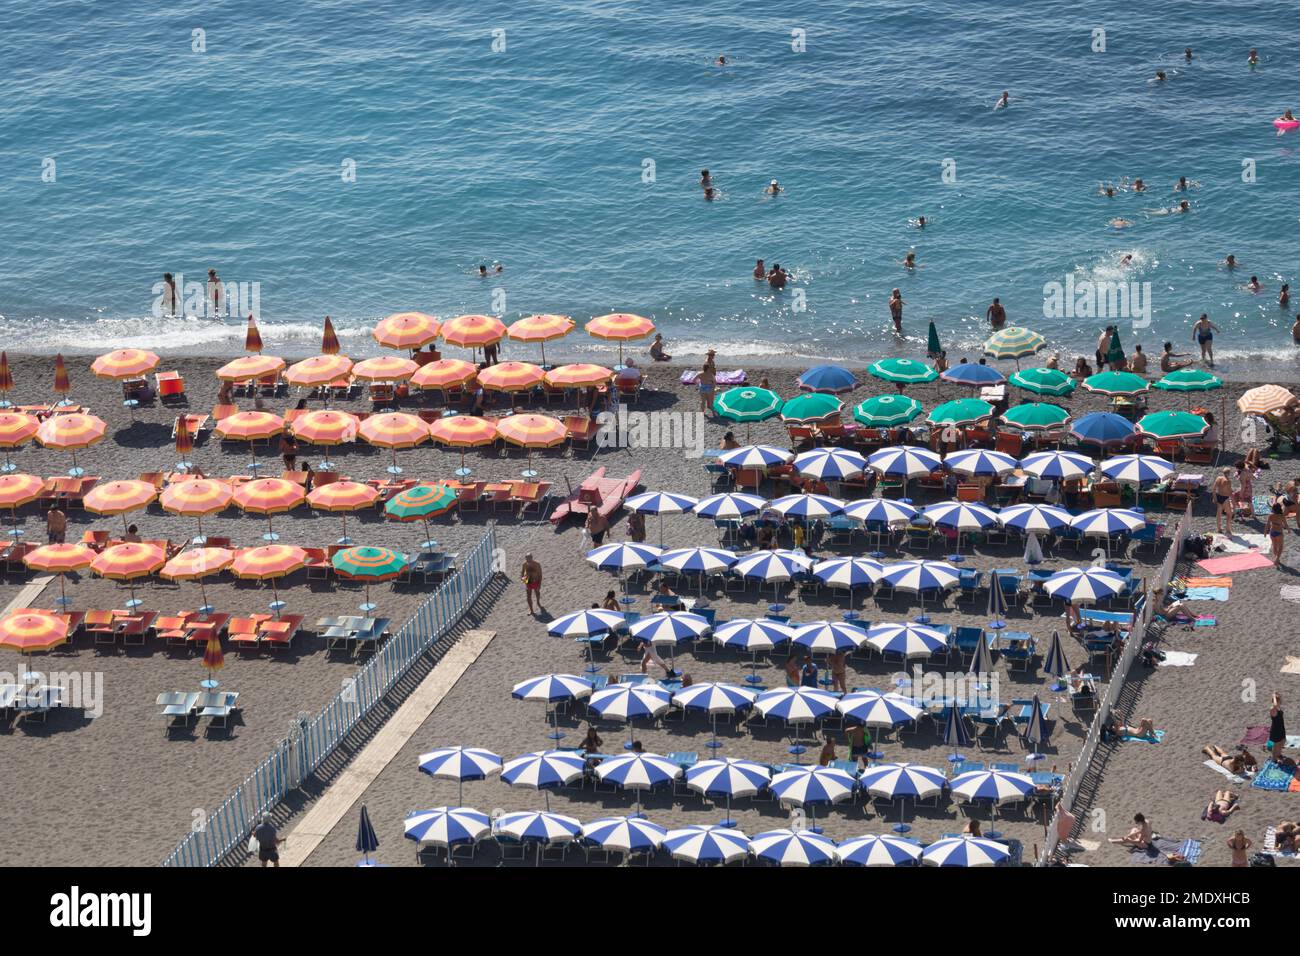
column 279, row 635
column 35, row 703
column 179, row 707
column 368, row 639
column 219, row 706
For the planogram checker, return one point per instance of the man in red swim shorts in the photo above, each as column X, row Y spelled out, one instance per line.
column 532, row 578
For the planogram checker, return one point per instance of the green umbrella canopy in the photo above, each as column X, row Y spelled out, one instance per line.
column 1189, row 380
column 1170, row 424
column 1044, row 381
column 932, row 346
column 885, row 411
column 1115, row 352
column 1116, row 383
column 902, row 370
column 1037, row 415
column 812, row 407
column 420, row 502
column 366, row 563
column 747, row 404
column 963, row 411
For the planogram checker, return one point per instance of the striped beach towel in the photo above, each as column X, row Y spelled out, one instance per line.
column 1272, row 777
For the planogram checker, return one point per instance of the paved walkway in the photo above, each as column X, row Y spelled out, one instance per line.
column 341, row 796
column 28, row 594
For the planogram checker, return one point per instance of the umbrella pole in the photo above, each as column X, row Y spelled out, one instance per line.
column 203, row 592
column 63, row 594
column 661, row 529
column 345, row 527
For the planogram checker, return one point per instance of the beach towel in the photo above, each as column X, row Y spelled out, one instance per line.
column 1255, row 736
column 1159, row 849
column 1178, row 659
column 1273, row 777
column 1293, row 741
column 1204, row 620
column 1235, row 562
column 1206, row 594
column 1290, row 592
column 1292, row 666
column 1191, row 851
column 1262, row 505
column 1239, row 543
column 1160, row 735
column 735, row 377
column 1227, row 773
column 1223, row 581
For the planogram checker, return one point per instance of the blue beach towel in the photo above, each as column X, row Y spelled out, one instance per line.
column 1191, row 850
column 1272, row 777
column 1262, row 504
column 1160, row 735
column 1206, row 622
column 1207, row 594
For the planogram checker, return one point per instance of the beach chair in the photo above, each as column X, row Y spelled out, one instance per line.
column 581, row 430
column 279, row 635
column 242, row 634
column 219, row 706
column 178, row 707
column 1009, row 442
column 970, row 492
column 318, row 565
column 135, row 628
column 170, row 385
column 467, row 496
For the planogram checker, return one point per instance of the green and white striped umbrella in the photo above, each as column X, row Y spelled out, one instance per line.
column 812, row 407
column 902, row 371
column 1044, row 381
column 886, row 411
column 1013, row 342
column 1116, row 383
column 963, row 411
column 1170, row 424
column 1036, row 416
column 747, row 404
column 1189, row 380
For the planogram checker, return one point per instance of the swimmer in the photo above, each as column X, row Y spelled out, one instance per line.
column 1107, row 190
column 1121, row 223
column 720, row 61
column 920, row 222
column 1139, row 186
column 1004, row 101
column 1284, row 297
column 777, row 277
column 909, row 262
column 706, row 178
column 1184, row 206
column 709, row 193
column 1230, row 262
column 483, row 270
column 1187, row 54
column 760, row 271
column 1253, row 285
column 1184, row 185
column 1160, row 76
column 1126, row 261
column 1253, row 57
column 774, row 188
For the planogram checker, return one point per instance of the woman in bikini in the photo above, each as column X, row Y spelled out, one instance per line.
column 1222, row 491
column 1240, row 844
column 1222, row 806
column 1243, row 762
column 1276, row 526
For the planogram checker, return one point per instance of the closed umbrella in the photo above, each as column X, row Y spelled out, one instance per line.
column 367, row 840
column 1036, row 731
column 1054, row 661
column 329, row 341
column 955, row 733
column 62, row 383
column 6, row 380
column 932, row 346
column 997, row 602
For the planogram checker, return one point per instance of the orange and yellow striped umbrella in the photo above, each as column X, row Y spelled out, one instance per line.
column 578, row 375
column 128, row 561
column 184, row 440
column 59, row 558
column 249, row 367
column 72, row 431
column 620, row 327
column 62, row 383
column 342, row 497
column 445, row 373
column 250, row 426
column 194, row 564
column 196, row 497
column 385, row 368
column 6, row 376
column 213, row 657
column 318, row 370
column 268, row 496
column 407, row 330
column 17, row 490
column 394, row 430
column 119, row 497
column 252, row 338
column 541, row 329
column 125, row 363
column 463, row 431
column 532, row 431
column 268, row 562
column 326, row 427
column 329, row 341
column 473, row 331
column 17, row 428
column 29, row 630
column 1264, row 399
column 511, row 377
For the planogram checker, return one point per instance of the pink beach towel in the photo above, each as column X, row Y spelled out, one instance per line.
column 1235, row 562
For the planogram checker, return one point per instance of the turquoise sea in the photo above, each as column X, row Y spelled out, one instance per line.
column 565, row 141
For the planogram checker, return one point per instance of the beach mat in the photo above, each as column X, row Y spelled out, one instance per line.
column 1262, row 505
column 1235, row 562
column 1222, row 581
column 1160, row 735
column 1256, row 736
column 1220, row 768
column 1204, row 620
column 1206, row 594
column 1292, row 666
column 1161, row 847
column 1178, row 659
column 1290, row 592
column 1270, row 845
column 1272, row 777
column 1238, row 543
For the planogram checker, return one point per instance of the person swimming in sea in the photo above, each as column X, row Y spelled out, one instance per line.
column 920, row 222
column 1120, row 223
column 773, row 189
column 1253, row 57
column 1139, row 186
column 1230, row 262
column 909, row 261
column 706, row 178
column 1187, row 54
column 483, row 270
column 1107, row 190
column 1126, row 261
column 710, row 193
column 1004, row 101
column 760, row 271
column 1254, row 285
column 720, row 61
column 1184, row 186
column 1183, row 206
column 777, row 277
column 1284, row 296
column 1160, row 76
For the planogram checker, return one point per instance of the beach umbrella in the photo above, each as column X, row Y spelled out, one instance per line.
column 811, row 408
column 461, row 432
column 70, row 433
column 707, row 843
column 384, row 368
column 813, row 786
column 793, row 848
column 537, row 827
column 1101, row 428
column 755, row 456
column 979, row 461
column 887, row 411
column 1036, row 731
column 964, row 851
column 1189, row 380
column 830, row 464
column 511, row 377
column 1116, row 383
column 827, row 378
column 997, row 786
column 932, row 346
column 902, row 371
column 6, row 379
column 252, row 427
column 1034, row 518
column 369, row 565
column 1054, row 662
column 848, row 572
column 753, row 635
column 16, row 429
column 878, row 851
column 552, row 688
column 249, row 367
column 773, row 567
column 660, row 503
column 194, row 564
column 972, row 375
column 874, row 709
column 625, row 834
column 997, row 606
column 270, row 562
column 883, row 510
column 1013, row 342
column 62, row 383
column 909, row 640
column 1168, row 425
column 1083, row 585
column 962, row 515
column 543, row 769
column 795, row 705
column 955, row 733
column 1108, row 521
column 1057, row 464
column 620, row 327
column 119, row 498
column 714, row 697
column 460, row 764
column 124, row 364
column 196, row 497
column 698, row 560
column 184, row 442
column 730, row 505
column 585, row 623
column 252, row 337
column 540, row 329
column 329, row 341
column 532, row 431
column 637, row 771
column 828, row 637
column 627, row 702
column 445, row 374
column 325, row 427
column 727, row 777
column 318, row 370
column 269, row 496
column 126, row 562
column 1043, row 381
column 669, row 628
column 17, row 490
column 1264, row 399
column 747, row 404
column 421, row 503
column 29, row 631
column 1137, row 468
column 578, row 375
column 807, row 506
column 394, row 430
column 905, row 461
column 917, row 576
column 367, row 840
column 981, row 661
column 60, row 559
column 214, row 658
column 446, row 826
column 1114, row 351
column 962, row 411
column 1036, row 416
column 623, row 555
column 406, row 330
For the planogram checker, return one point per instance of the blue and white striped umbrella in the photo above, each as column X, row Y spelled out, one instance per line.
column 703, row 560
column 883, row 510
column 921, row 576
column 906, row 461
column 771, row 566
column 826, row 637
column 830, row 464
column 755, row 456
column 538, row 826
column 1083, row 585
column 623, row 555
column 979, row 461
column 728, row 777
column 962, row 515
column 795, row 705
column 637, row 771
column 875, row 709
column 1035, row 518
column 999, row 786
column 552, row 688
column 793, row 848
column 707, row 843
column 1054, row 661
column 1138, row 468
column 714, row 697
column 758, row 634
column 445, row 826
column 670, row 628
column 874, row 850
column 630, row 701
column 1108, row 521
column 733, row 504
column 1057, row 464
column 660, row 503
column 807, row 506
column 909, row 640
column 543, row 769
column 894, row 780
column 848, row 572
column 625, row 834
column 460, row 763
column 585, row 623
column 964, row 851
column 813, row 786
column 955, row 732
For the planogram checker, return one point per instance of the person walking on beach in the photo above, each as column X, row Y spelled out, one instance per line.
column 859, row 743
column 1203, row 332
column 268, row 842
column 839, row 678
column 56, row 525
column 896, row 309
column 289, row 450
column 214, row 291
column 1276, row 526
column 707, row 383
column 531, row 575
column 1222, row 491
column 597, row 525
column 996, row 315
column 808, row 672
column 636, row 527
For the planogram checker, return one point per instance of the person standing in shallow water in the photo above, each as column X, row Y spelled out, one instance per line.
column 896, row 309
column 996, row 315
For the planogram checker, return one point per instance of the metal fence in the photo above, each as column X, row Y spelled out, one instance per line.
column 1137, row 637
column 297, row 756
